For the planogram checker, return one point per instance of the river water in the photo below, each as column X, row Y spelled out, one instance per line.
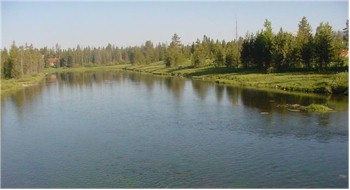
column 132, row 130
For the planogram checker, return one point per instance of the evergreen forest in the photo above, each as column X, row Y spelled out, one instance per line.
column 306, row 50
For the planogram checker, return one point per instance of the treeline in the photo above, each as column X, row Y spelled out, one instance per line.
column 284, row 51
column 20, row 61
column 263, row 50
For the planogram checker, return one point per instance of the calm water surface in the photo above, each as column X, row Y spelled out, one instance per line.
column 124, row 129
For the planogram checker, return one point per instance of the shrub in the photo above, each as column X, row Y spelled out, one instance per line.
column 318, row 108
column 271, row 70
column 340, row 83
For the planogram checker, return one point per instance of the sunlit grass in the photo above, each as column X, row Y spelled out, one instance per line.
column 325, row 83
column 318, row 108
column 92, row 68
column 9, row 86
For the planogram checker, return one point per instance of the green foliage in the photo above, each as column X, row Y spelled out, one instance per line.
column 304, row 41
column 340, row 83
column 298, row 82
column 323, row 45
column 219, row 56
column 337, row 47
column 318, row 108
column 233, row 55
column 173, row 55
column 267, row 37
column 283, row 50
column 346, row 35
column 14, row 62
column 198, row 57
column 247, row 51
column 271, row 70
column 5, row 67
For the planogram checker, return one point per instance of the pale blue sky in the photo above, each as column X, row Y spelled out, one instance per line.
column 97, row 23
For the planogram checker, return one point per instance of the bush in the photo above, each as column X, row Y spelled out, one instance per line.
column 340, row 83
column 271, row 70
column 318, row 108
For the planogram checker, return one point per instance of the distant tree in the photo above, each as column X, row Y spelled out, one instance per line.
column 96, row 56
column 174, row 56
column 193, row 46
column 70, row 62
column 268, row 41
column 232, row 55
column 186, row 52
column 346, row 35
column 5, row 71
column 283, row 50
column 148, row 52
column 160, row 52
column 125, row 56
column 208, row 48
column 323, row 45
column 247, row 51
column 219, row 54
column 62, row 62
column 305, row 46
column 337, row 47
column 199, row 56
column 175, row 41
column 263, row 46
column 139, row 56
column 108, row 54
column 260, row 50
column 14, row 62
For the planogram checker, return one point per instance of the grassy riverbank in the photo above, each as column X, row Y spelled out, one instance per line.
column 324, row 83
column 92, row 68
column 9, row 86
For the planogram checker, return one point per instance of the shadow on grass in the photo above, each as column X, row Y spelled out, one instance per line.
column 222, row 70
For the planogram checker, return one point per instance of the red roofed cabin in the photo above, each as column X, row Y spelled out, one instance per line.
column 52, row 61
column 345, row 53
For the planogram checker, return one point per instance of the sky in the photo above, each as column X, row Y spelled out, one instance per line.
column 121, row 23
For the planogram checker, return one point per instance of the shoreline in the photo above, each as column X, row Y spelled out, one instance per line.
column 10, row 86
column 306, row 83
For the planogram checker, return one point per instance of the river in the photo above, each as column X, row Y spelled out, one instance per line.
column 132, row 130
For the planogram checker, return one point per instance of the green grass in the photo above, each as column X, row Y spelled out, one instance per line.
column 323, row 83
column 318, row 108
column 9, row 86
column 92, row 68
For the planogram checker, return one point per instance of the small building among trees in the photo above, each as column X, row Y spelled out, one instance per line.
column 52, row 62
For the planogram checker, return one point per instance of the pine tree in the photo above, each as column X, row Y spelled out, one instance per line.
column 305, row 43
column 268, row 41
column 323, row 45
column 198, row 57
column 14, row 65
column 283, row 50
column 4, row 64
column 219, row 54
column 346, row 35
column 337, row 48
column 174, row 56
column 247, row 51
column 232, row 55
